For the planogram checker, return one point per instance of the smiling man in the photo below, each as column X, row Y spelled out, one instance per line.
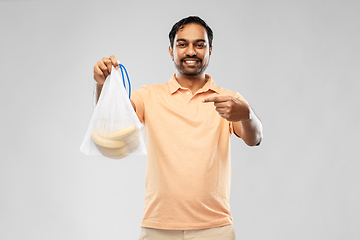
column 188, row 122
column 192, row 52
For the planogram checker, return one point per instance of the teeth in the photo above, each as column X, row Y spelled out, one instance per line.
column 190, row 61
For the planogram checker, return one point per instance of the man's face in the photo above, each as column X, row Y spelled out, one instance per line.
column 191, row 51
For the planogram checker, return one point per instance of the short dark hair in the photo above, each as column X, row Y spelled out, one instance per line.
column 191, row 19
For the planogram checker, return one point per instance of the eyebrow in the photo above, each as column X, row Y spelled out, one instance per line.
column 184, row 40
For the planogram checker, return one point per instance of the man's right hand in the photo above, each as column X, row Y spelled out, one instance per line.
column 102, row 69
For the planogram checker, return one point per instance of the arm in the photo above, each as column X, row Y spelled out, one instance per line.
column 249, row 130
column 102, row 70
column 245, row 123
column 97, row 92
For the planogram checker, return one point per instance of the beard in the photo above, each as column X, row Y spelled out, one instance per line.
column 191, row 71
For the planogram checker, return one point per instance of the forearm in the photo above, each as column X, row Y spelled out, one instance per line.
column 97, row 92
column 249, row 130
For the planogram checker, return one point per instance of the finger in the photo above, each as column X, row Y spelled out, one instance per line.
column 108, row 64
column 114, row 62
column 98, row 75
column 98, row 71
column 221, row 109
column 223, row 115
column 216, row 99
column 104, row 68
column 222, row 104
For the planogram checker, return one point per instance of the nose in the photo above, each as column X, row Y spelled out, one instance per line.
column 190, row 50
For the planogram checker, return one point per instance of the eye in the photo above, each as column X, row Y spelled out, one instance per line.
column 181, row 45
column 200, row 45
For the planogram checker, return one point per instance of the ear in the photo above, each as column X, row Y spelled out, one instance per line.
column 210, row 51
column 171, row 53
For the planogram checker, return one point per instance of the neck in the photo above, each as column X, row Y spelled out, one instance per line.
column 193, row 83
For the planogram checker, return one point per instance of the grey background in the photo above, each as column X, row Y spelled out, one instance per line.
column 296, row 62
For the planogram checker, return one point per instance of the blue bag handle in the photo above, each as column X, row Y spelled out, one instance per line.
column 128, row 79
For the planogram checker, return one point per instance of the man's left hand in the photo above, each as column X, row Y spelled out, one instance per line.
column 230, row 108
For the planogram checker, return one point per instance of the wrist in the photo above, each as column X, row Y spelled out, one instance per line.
column 98, row 85
column 250, row 115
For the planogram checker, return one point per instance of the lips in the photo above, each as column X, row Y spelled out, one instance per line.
column 191, row 61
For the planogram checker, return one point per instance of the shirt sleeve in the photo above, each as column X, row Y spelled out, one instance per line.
column 139, row 97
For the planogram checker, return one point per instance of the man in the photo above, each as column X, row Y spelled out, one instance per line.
column 188, row 123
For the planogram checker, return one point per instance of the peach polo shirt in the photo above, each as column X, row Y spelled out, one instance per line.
column 188, row 168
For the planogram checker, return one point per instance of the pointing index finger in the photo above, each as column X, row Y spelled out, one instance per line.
column 216, row 99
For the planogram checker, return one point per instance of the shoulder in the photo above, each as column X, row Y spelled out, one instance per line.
column 152, row 87
column 148, row 90
column 224, row 91
column 227, row 92
column 220, row 90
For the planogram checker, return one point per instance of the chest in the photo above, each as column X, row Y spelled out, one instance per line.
column 183, row 113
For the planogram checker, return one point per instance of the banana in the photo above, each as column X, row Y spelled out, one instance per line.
column 133, row 145
column 120, row 134
column 107, row 143
column 117, row 144
column 113, row 151
column 120, row 156
column 132, row 137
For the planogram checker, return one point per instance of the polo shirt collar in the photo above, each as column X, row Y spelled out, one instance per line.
column 209, row 85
